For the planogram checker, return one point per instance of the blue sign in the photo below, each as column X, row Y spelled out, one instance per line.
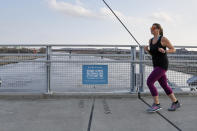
column 95, row 74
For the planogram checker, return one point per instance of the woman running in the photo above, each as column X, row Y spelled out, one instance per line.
column 157, row 49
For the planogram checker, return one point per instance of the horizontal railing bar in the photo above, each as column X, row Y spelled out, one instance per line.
column 1, row 54
column 185, row 46
column 23, row 61
column 67, row 61
column 122, row 61
column 85, row 45
column 90, row 54
column 105, row 61
column 176, row 46
column 72, row 45
column 178, row 55
column 22, row 54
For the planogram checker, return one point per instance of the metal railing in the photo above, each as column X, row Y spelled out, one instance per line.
column 60, row 68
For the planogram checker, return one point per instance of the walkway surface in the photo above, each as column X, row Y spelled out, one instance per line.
column 107, row 114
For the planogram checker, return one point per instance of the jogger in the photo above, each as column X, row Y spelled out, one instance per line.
column 158, row 52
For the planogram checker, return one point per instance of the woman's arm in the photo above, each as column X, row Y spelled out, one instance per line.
column 167, row 43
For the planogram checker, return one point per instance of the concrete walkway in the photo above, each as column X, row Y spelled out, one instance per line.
column 109, row 114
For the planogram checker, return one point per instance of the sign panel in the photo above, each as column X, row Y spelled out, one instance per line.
column 95, row 74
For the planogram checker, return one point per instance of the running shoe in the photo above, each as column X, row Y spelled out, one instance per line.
column 154, row 108
column 174, row 106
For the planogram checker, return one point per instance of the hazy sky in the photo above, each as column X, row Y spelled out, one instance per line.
column 90, row 22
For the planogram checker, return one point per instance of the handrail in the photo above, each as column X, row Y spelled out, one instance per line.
column 72, row 45
column 90, row 45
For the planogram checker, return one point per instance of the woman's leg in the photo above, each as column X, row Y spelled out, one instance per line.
column 175, row 103
column 156, row 99
column 172, row 97
column 163, row 82
column 153, row 77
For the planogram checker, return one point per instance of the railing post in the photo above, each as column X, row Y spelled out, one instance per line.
column 142, row 69
column 48, row 69
column 132, row 69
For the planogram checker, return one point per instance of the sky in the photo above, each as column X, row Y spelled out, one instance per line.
column 91, row 22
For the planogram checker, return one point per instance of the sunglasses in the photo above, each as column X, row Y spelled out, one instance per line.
column 153, row 28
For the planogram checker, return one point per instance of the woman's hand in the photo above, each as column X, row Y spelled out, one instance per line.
column 146, row 48
column 161, row 50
